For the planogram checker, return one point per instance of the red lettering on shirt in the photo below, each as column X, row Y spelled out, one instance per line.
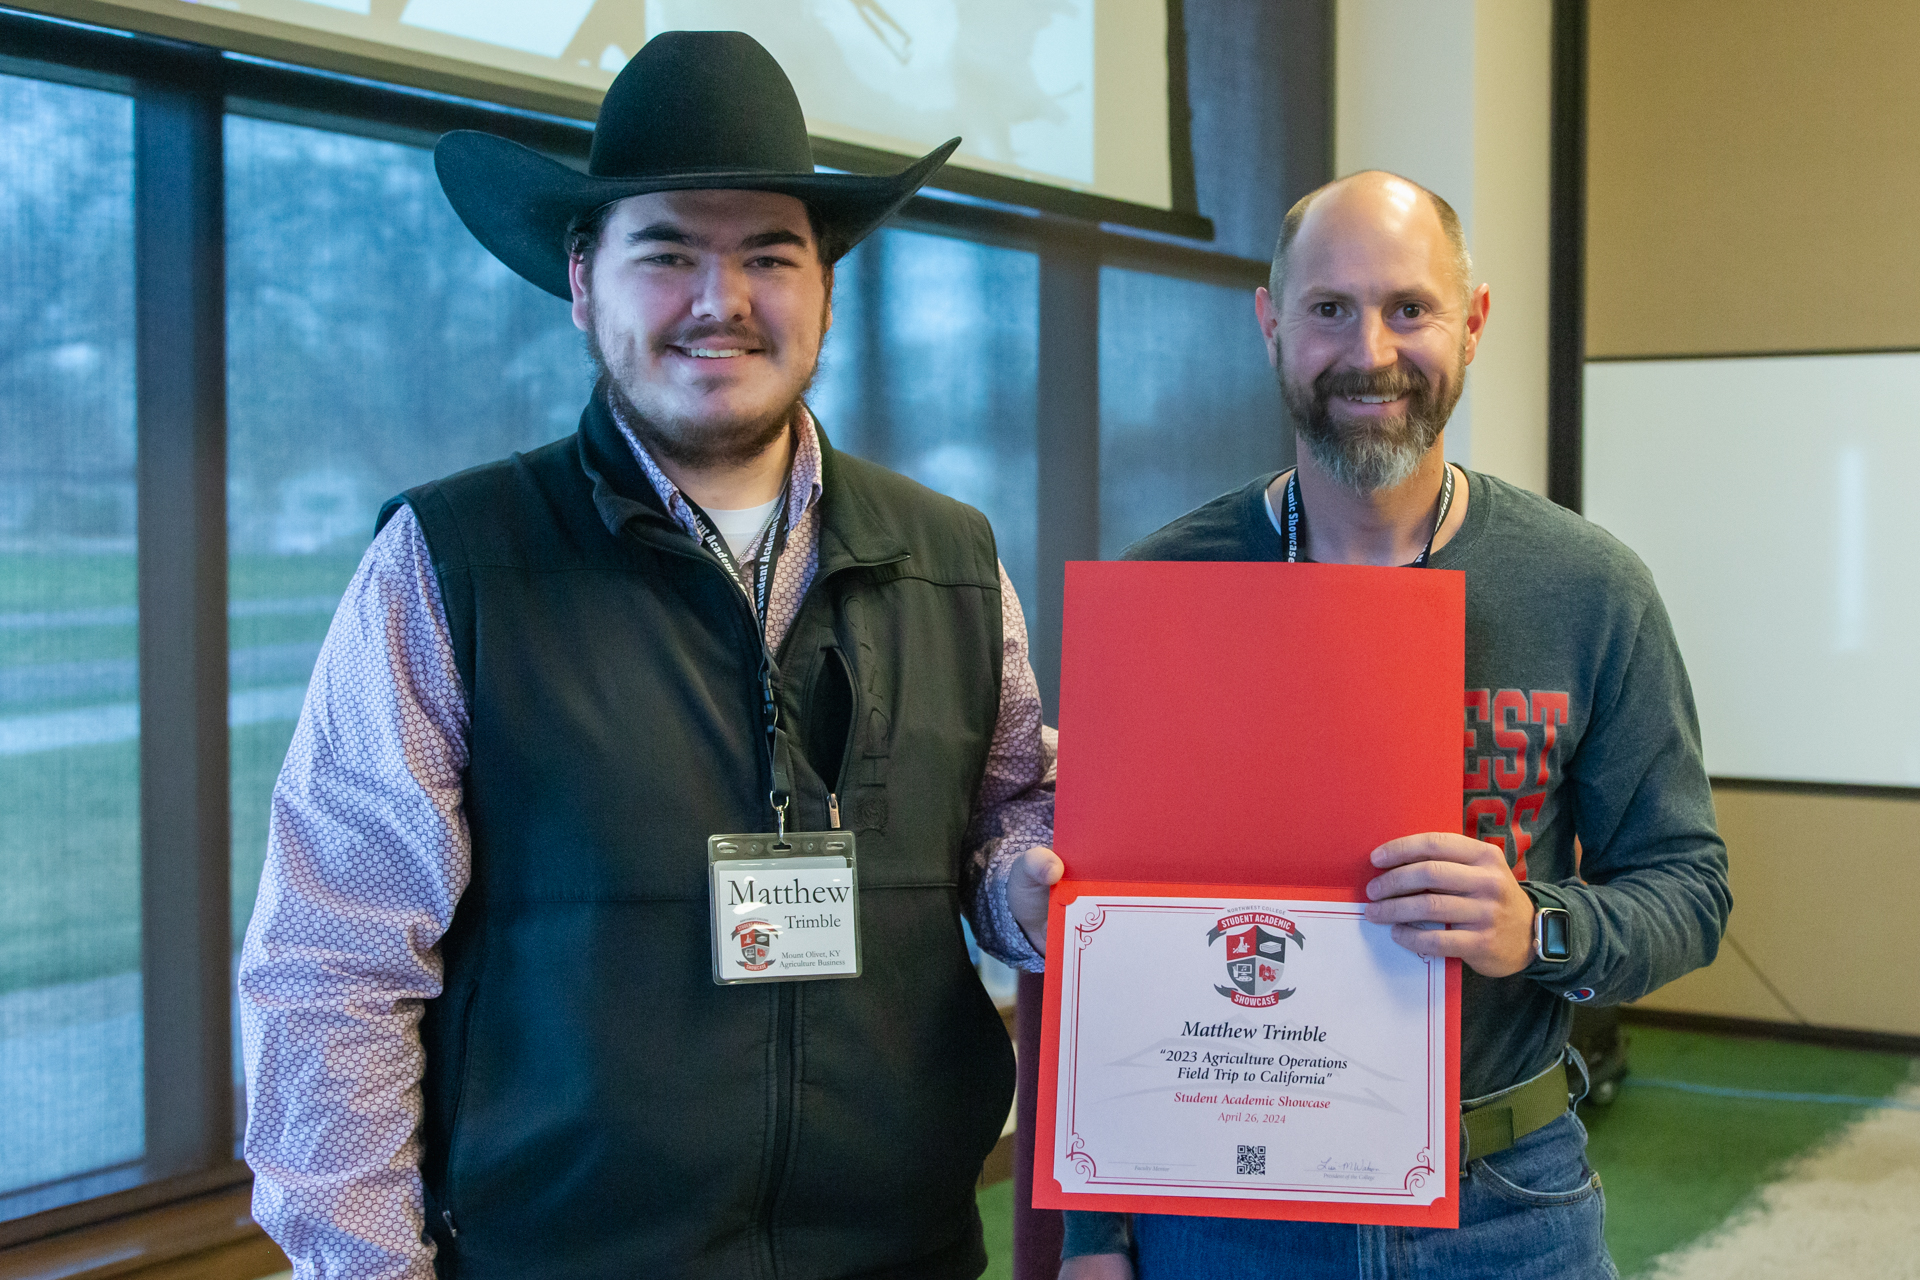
column 1475, row 778
column 1550, row 711
column 1482, row 810
column 1510, row 820
column 1525, row 809
column 1510, row 769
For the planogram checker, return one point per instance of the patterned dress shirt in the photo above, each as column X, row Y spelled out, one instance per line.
column 368, row 854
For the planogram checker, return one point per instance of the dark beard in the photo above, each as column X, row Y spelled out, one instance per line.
column 696, row 448
column 1367, row 455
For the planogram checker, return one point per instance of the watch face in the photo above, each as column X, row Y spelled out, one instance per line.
column 1550, row 940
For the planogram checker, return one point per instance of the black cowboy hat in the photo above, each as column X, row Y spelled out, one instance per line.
column 692, row 110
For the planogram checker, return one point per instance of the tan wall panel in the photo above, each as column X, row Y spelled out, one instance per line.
column 1824, row 893
column 1512, row 98
column 1753, row 172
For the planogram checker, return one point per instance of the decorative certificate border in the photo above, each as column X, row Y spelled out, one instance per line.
column 1426, row 1193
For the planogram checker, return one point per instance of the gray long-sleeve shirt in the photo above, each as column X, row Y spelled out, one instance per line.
column 1581, row 760
column 1578, row 721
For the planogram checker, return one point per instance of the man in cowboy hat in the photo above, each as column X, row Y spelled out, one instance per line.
column 485, row 1022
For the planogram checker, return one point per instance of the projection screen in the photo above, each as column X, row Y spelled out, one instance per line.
column 1071, row 94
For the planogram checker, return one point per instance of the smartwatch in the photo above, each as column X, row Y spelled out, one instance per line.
column 1552, row 935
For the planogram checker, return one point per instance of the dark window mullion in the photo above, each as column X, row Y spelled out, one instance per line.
column 1567, row 256
column 182, row 440
column 1067, row 403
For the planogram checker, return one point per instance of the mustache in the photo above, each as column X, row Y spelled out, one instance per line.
column 1389, row 384
column 694, row 334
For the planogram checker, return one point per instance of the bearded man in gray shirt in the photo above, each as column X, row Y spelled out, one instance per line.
column 1579, row 734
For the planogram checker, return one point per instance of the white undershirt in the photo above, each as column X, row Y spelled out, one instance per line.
column 740, row 527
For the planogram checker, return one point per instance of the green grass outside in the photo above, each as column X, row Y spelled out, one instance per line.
column 32, row 581
column 258, row 750
column 70, row 902
column 48, row 582
column 69, row 819
column 257, row 753
column 66, row 644
column 70, row 843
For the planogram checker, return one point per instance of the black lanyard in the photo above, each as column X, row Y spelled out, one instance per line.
column 1296, row 518
column 758, row 584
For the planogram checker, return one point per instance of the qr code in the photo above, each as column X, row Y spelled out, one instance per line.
column 1252, row 1162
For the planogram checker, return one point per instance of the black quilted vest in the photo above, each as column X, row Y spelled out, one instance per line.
column 595, row 1105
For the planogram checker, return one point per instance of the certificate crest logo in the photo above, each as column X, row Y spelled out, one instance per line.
column 756, row 944
column 1256, row 956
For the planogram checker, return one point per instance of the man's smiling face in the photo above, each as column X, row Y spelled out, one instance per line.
column 1373, row 330
column 707, row 310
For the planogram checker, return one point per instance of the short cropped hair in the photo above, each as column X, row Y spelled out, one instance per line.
column 1449, row 224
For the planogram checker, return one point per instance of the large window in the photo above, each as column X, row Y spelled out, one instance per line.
column 236, row 314
column 372, row 345
column 1202, row 381
column 70, row 1007
column 930, row 370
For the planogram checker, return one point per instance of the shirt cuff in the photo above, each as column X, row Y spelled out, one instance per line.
column 1090, row 1233
column 1006, row 941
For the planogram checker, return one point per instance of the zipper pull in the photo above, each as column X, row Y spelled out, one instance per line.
column 833, row 811
column 446, row 1216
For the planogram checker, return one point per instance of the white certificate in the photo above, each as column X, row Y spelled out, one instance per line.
column 1249, row 1050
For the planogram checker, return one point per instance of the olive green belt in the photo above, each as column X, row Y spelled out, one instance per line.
column 1497, row 1122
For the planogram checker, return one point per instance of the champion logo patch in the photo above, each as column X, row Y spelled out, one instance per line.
column 1579, row 995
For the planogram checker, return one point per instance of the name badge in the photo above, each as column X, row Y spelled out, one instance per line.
column 784, row 909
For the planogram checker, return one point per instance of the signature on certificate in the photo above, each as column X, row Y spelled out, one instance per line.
column 1355, row 1170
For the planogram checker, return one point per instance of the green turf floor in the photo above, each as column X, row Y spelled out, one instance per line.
column 1675, row 1165
column 996, row 1221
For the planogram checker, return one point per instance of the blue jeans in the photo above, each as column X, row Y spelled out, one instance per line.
column 1531, row 1212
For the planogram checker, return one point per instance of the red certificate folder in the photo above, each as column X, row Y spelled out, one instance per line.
column 1263, row 726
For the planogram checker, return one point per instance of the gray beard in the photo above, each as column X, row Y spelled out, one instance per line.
column 1367, row 456
column 694, row 446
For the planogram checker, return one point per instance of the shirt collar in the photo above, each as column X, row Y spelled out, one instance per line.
column 803, row 488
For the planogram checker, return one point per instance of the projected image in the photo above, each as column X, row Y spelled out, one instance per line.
column 1014, row 78
column 1025, row 83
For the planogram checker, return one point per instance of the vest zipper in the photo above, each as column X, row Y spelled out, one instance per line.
column 446, row 1216
column 785, row 1000
column 784, row 994
column 853, row 736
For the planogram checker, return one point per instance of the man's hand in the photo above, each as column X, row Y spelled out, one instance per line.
column 1033, row 874
column 1097, row 1266
column 1448, row 895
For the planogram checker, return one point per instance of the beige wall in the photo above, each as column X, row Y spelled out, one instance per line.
column 1753, row 182
column 1753, row 172
column 1512, row 102
column 1824, row 892
column 1455, row 94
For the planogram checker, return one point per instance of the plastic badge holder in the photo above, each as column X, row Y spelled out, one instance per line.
column 783, row 909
